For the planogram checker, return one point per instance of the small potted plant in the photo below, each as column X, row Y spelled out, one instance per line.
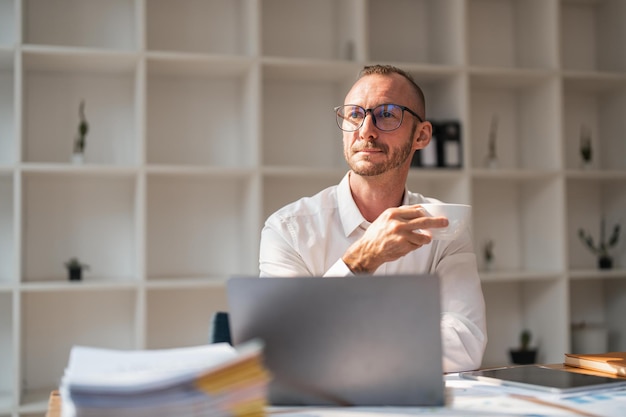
column 488, row 254
column 605, row 261
column 80, row 140
column 75, row 269
column 524, row 355
column 586, row 152
column 491, row 161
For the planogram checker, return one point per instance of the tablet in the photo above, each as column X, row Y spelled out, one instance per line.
column 541, row 378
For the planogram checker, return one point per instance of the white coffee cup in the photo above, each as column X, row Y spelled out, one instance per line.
column 458, row 216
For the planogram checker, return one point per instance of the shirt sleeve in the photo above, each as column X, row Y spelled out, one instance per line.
column 280, row 256
column 277, row 255
column 463, row 324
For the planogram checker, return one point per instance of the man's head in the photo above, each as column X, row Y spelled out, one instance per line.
column 374, row 145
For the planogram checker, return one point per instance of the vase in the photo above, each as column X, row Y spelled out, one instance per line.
column 523, row 356
column 75, row 274
column 78, row 158
column 605, row 262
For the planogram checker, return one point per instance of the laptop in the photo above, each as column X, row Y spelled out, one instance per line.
column 362, row 341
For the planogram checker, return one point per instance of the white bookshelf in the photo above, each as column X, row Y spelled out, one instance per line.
column 207, row 115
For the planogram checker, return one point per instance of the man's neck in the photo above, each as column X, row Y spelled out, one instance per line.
column 373, row 195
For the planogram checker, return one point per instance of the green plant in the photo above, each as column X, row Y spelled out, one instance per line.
column 524, row 339
column 603, row 246
column 585, row 144
column 493, row 136
column 75, row 263
column 488, row 250
column 83, row 129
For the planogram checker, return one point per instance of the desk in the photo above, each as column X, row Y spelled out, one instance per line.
column 465, row 398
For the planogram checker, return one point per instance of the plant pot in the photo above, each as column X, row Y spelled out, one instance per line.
column 75, row 274
column 605, row 262
column 78, row 158
column 523, row 357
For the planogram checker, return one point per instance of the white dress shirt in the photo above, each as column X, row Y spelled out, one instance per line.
column 309, row 237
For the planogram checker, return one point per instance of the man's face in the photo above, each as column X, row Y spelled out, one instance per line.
column 370, row 151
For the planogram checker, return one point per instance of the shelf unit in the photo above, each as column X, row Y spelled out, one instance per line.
column 207, row 115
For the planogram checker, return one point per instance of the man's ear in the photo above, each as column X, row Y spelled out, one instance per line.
column 423, row 134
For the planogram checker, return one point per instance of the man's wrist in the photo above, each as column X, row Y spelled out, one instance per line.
column 358, row 264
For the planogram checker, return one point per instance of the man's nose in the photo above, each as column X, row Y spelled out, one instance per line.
column 368, row 128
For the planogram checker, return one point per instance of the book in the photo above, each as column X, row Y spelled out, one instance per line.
column 612, row 362
column 214, row 380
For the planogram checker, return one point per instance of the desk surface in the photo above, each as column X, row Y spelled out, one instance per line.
column 464, row 398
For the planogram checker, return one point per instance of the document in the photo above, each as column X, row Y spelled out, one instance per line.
column 211, row 380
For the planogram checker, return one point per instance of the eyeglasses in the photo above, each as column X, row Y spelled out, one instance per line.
column 386, row 117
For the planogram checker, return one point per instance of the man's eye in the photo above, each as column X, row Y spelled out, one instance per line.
column 355, row 114
column 386, row 114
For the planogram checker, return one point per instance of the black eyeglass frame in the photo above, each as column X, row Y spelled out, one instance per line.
column 371, row 111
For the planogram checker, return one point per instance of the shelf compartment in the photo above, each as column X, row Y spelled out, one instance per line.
column 512, row 34
column 105, row 319
column 8, row 31
column 600, row 303
column 523, row 108
column 299, row 128
column 7, row 230
column 194, row 308
column 204, row 117
column 280, row 190
column 588, row 200
column 519, row 218
column 7, row 353
column 444, row 92
column 8, row 139
column 453, row 188
column 209, row 27
column 52, row 95
column 107, row 25
column 87, row 215
column 424, row 31
column 291, row 28
column 592, row 35
column 538, row 306
column 593, row 107
column 201, row 226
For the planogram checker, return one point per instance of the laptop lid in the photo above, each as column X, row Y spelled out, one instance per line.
column 367, row 340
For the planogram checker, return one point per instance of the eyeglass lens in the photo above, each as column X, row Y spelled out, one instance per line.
column 385, row 117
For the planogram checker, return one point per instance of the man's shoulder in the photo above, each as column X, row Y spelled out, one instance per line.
column 323, row 201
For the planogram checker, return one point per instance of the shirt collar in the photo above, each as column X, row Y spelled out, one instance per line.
column 349, row 214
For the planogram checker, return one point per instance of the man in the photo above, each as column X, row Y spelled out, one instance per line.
column 368, row 224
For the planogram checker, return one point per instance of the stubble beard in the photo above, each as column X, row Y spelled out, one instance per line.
column 366, row 168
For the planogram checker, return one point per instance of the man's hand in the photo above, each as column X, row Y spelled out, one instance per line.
column 396, row 232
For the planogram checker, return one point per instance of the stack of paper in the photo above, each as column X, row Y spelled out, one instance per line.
column 214, row 380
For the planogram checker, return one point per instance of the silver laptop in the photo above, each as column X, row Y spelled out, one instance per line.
column 368, row 340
